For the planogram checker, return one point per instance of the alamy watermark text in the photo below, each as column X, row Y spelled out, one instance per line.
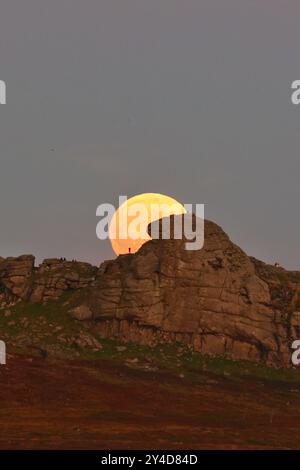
column 2, row 92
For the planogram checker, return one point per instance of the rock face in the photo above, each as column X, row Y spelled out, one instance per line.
column 20, row 280
column 54, row 277
column 216, row 300
column 15, row 275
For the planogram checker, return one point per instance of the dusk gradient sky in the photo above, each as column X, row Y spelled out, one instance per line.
column 186, row 98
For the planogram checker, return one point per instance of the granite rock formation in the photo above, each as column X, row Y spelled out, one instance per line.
column 21, row 280
column 216, row 300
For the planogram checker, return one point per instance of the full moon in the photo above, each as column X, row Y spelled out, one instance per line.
column 120, row 223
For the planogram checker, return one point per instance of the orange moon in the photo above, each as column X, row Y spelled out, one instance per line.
column 126, row 238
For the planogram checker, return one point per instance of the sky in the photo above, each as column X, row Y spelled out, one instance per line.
column 187, row 98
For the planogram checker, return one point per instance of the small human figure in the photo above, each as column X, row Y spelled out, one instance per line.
column 277, row 265
column 129, row 250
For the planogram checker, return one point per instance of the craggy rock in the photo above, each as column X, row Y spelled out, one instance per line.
column 216, row 300
column 15, row 278
column 20, row 280
column 54, row 277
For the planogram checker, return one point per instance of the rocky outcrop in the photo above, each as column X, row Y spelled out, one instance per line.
column 15, row 276
column 20, row 280
column 54, row 277
column 216, row 300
